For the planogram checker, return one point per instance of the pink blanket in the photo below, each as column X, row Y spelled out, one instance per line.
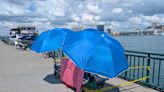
column 71, row 75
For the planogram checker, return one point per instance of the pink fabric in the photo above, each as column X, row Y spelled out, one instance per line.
column 71, row 75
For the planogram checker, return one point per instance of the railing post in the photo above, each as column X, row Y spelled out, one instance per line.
column 147, row 70
column 149, row 61
column 126, row 77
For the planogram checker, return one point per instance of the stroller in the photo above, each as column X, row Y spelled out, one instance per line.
column 21, row 46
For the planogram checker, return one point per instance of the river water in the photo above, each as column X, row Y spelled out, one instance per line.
column 152, row 44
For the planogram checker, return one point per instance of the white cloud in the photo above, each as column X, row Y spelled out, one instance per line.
column 152, row 19
column 93, row 8
column 130, row 11
column 114, row 25
column 46, row 14
column 7, row 24
column 75, row 18
column 110, row 1
column 51, row 8
column 135, row 20
column 11, row 9
column 127, row 4
column 117, row 10
column 87, row 17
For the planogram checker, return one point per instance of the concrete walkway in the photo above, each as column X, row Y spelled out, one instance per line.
column 26, row 71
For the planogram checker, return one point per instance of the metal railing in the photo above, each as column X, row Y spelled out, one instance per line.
column 145, row 64
column 6, row 40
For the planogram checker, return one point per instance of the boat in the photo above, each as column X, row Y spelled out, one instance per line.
column 23, row 35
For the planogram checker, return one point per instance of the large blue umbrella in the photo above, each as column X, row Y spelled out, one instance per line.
column 95, row 52
column 90, row 50
column 50, row 40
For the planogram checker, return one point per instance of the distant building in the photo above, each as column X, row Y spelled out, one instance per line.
column 115, row 33
column 154, row 29
column 109, row 31
column 163, row 28
column 156, row 26
column 100, row 27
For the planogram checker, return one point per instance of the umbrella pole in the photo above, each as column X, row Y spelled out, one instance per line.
column 54, row 66
column 54, row 61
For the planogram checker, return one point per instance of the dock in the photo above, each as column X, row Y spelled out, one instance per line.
column 27, row 71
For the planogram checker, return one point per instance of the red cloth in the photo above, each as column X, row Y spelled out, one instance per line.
column 71, row 75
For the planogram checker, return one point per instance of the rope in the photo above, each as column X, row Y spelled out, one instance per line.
column 112, row 87
column 136, row 67
column 122, row 84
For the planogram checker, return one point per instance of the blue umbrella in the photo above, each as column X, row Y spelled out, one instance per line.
column 50, row 40
column 95, row 52
column 90, row 50
column 106, row 36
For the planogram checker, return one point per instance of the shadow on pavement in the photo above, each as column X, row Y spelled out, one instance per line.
column 130, row 87
column 52, row 79
column 111, row 88
column 106, row 88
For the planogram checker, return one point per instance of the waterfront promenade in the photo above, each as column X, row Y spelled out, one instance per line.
column 26, row 71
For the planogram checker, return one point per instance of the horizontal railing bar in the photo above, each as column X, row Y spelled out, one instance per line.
column 136, row 55
column 147, row 57
column 157, row 58
column 144, row 53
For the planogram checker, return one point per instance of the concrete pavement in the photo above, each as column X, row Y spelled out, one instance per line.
column 26, row 71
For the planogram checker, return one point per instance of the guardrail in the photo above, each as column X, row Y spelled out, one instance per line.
column 6, row 40
column 145, row 64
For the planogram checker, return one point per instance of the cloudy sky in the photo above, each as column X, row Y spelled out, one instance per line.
column 47, row 14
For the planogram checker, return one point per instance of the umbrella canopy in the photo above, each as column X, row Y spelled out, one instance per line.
column 95, row 52
column 91, row 50
column 50, row 40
